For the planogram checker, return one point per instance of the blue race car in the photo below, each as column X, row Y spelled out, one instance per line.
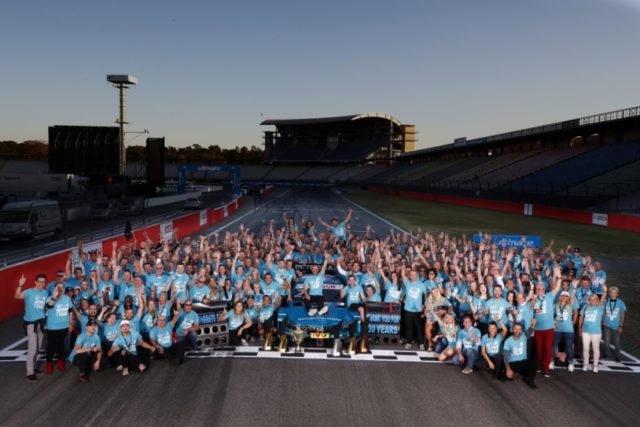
column 337, row 323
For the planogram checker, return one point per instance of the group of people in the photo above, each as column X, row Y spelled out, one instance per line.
column 515, row 311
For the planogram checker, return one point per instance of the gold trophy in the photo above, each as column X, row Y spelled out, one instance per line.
column 298, row 336
column 351, row 350
column 282, row 347
column 268, row 341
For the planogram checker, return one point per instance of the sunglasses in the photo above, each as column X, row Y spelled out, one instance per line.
column 187, row 305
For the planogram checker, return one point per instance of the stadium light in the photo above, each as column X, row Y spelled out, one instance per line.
column 122, row 82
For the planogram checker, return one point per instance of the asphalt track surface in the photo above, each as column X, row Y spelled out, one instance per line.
column 296, row 392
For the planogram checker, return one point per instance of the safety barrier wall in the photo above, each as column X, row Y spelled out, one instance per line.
column 183, row 226
column 616, row 221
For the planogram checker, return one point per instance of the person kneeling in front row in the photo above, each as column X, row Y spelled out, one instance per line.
column 87, row 352
column 516, row 357
column 125, row 348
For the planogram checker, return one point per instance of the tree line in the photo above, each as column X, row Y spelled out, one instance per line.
column 195, row 153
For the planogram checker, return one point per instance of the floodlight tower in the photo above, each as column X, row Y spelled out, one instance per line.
column 122, row 82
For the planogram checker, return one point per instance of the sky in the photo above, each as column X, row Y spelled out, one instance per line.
column 210, row 71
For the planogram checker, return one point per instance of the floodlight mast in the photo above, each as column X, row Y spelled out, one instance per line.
column 122, row 82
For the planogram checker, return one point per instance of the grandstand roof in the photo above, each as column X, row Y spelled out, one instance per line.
column 336, row 119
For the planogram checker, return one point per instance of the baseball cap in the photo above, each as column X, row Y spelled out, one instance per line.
column 125, row 322
column 92, row 322
column 564, row 294
column 68, row 289
column 249, row 296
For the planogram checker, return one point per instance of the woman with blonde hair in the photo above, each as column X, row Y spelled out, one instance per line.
column 590, row 328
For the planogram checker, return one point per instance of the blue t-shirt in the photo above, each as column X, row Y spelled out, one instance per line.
column 339, row 230
column 469, row 339
column 198, row 294
column 235, row 321
column 180, row 282
column 157, row 283
column 492, row 345
column 543, row 311
column 613, row 313
column 592, row 323
column 83, row 341
column 58, row 315
column 413, row 293
column 352, row 295
column 109, row 332
column 107, row 288
column 392, row 293
column 147, row 322
column 186, row 321
column 129, row 343
column 34, row 303
column 315, row 284
column 265, row 313
column 498, row 308
column 516, row 348
column 162, row 336
column 564, row 317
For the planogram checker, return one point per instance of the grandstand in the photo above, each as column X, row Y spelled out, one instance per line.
column 353, row 138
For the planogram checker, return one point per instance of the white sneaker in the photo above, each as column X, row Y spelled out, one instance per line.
column 407, row 345
column 125, row 372
column 141, row 367
column 585, row 368
column 119, row 368
column 552, row 366
column 570, row 368
column 244, row 342
column 313, row 311
column 595, row 369
column 323, row 310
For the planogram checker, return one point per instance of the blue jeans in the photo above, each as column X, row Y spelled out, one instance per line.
column 441, row 345
column 567, row 339
column 470, row 357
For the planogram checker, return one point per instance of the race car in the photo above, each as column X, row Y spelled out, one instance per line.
column 338, row 323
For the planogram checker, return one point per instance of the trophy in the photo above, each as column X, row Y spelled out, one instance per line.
column 298, row 336
column 282, row 347
column 337, row 347
column 351, row 349
column 268, row 341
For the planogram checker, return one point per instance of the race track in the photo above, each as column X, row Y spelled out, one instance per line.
column 243, row 391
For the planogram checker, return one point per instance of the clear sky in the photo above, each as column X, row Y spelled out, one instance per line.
column 210, row 71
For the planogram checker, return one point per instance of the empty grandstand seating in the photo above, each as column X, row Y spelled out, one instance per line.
column 617, row 182
column 572, row 171
column 529, row 165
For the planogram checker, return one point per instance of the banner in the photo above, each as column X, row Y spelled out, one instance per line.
column 203, row 217
column 166, row 231
column 383, row 318
column 507, row 241
column 600, row 219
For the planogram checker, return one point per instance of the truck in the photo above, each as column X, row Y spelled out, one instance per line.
column 30, row 219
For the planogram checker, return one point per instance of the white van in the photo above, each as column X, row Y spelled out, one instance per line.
column 29, row 219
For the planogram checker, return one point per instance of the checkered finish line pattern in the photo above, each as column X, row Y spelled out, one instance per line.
column 12, row 354
column 374, row 355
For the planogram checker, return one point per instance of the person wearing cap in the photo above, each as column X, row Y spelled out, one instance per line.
column 125, row 349
column 34, row 318
column 188, row 323
column 543, row 313
column 59, row 324
column 87, row 351
column 565, row 315
column 614, row 314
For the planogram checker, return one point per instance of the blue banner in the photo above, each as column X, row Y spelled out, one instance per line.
column 506, row 241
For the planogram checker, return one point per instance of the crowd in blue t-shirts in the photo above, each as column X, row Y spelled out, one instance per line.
column 516, row 312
